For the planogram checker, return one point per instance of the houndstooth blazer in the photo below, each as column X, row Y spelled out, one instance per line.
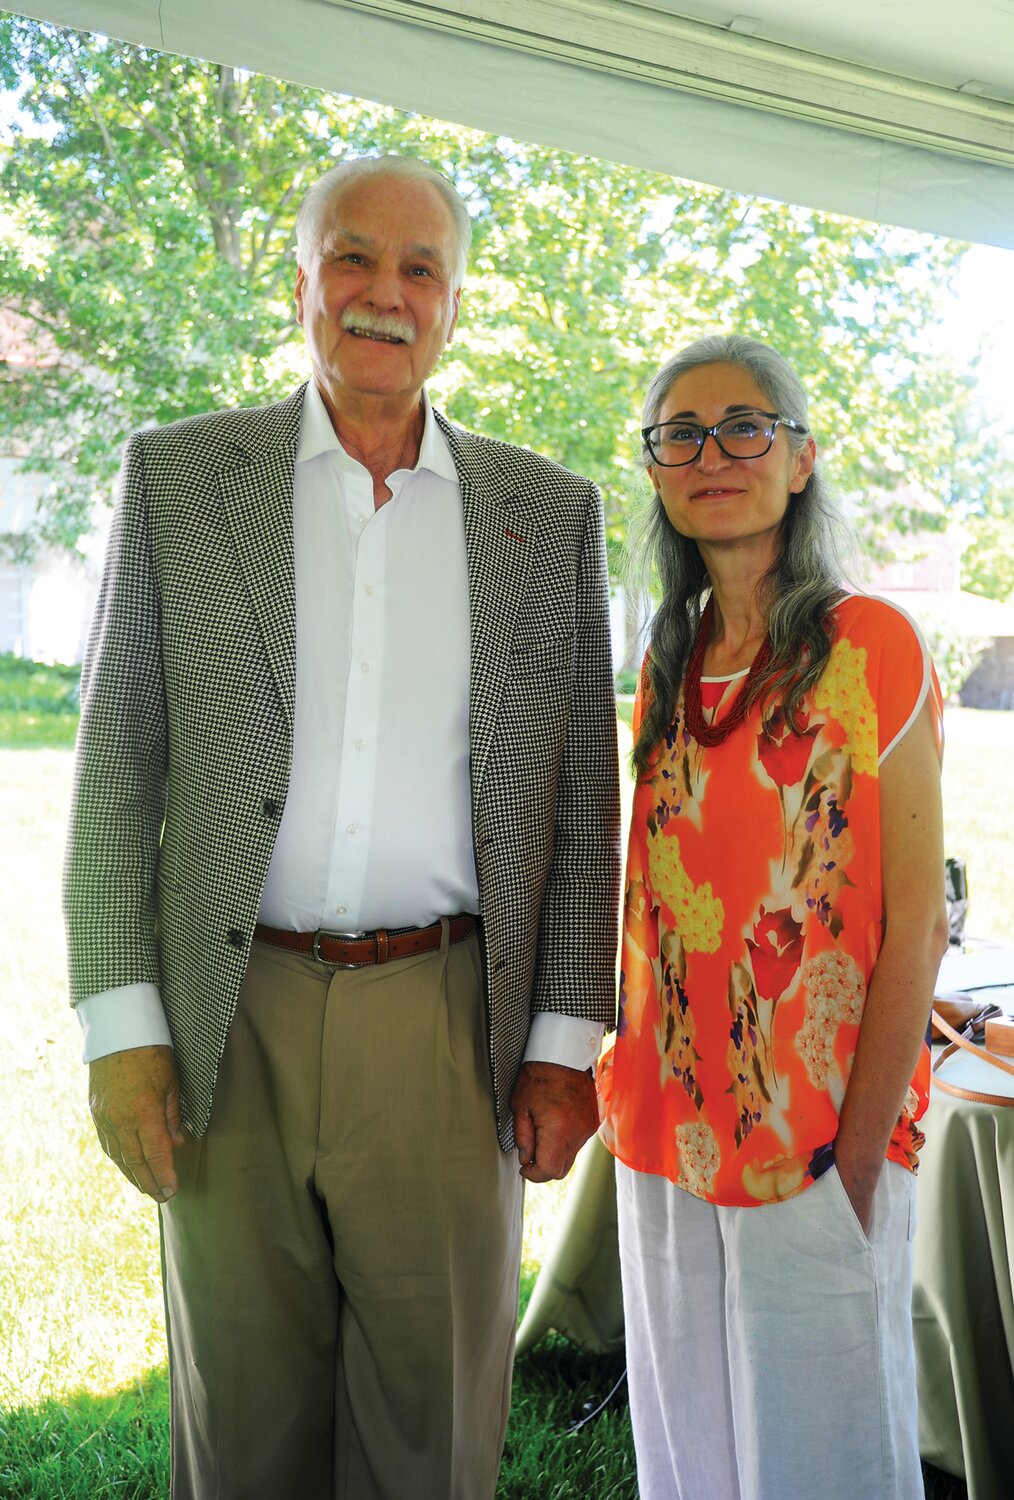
column 185, row 742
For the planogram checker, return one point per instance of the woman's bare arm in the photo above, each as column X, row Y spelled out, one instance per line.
column 901, row 987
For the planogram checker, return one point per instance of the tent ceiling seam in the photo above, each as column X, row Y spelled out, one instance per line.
column 693, row 57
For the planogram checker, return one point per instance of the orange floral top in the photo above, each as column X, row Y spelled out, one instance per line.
column 752, row 923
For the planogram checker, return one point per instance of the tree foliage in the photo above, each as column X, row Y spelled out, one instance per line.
column 148, row 203
column 987, row 564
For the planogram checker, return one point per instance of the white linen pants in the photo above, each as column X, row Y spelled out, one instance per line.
column 769, row 1349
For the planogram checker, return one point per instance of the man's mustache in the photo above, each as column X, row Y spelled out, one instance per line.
column 378, row 325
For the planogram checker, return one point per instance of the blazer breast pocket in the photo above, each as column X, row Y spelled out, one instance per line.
column 556, row 655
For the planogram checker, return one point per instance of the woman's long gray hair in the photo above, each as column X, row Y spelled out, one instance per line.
column 802, row 584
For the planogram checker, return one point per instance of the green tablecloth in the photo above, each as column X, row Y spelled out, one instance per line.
column 963, row 1298
column 578, row 1290
column 963, row 1304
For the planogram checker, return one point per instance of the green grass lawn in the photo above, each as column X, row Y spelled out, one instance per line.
column 83, row 1403
column 979, row 814
column 38, row 705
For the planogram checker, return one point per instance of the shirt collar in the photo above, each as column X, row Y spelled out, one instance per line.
column 317, row 436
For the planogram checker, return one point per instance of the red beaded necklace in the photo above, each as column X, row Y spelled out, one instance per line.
column 693, row 711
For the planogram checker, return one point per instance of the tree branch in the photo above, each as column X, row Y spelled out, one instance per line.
column 259, row 246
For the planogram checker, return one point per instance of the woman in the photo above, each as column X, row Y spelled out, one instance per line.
column 784, row 920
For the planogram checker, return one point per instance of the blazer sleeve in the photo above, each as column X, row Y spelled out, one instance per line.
column 118, row 802
column 576, row 955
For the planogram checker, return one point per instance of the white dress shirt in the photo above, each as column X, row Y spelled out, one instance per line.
column 377, row 827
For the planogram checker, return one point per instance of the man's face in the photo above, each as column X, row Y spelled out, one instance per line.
column 377, row 302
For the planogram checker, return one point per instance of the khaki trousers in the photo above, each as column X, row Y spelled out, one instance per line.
column 341, row 1259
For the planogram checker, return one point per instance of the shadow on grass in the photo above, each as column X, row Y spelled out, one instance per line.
column 89, row 1447
column 557, row 1385
column 93, row 1447
column 941, row 1486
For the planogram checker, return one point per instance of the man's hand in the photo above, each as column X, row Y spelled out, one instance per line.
column 135, row 1102
column 554, row 1114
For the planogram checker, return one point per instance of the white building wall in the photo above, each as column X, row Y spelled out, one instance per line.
column 45, row 605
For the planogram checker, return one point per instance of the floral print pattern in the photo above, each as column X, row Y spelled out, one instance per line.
column 835, row 992
column 744, row 1056
column 844, row 692
column 677, row 1028
column 697, row 911
column 752, row 922
column 699, row 1158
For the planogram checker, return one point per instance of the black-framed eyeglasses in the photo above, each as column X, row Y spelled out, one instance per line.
column 746, row 434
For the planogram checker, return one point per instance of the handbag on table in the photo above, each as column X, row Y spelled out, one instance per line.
column 958, row 1017
column 963, row 1013
column 981, row 1012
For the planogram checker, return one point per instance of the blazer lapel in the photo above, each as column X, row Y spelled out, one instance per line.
column 498, row 546
column 256, row 497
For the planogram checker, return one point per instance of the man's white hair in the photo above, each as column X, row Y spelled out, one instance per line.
column 313, row 211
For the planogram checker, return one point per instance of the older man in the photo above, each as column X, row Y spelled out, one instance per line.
column 342, row 876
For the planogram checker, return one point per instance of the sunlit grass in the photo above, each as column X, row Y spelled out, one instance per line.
column 38, row 704
column 979, row 814
column 78, row 1249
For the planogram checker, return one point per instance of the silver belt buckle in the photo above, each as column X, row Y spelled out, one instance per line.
column 341, row 937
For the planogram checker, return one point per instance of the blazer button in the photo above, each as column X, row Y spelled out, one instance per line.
column 236, row 937
column 270, row 807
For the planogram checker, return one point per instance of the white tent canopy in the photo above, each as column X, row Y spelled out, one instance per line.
column 899, row 111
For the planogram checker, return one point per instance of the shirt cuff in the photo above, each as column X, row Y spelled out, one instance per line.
column 569, row 1041
column 114, row 1020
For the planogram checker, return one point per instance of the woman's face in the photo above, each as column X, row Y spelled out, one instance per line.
column 719, row 501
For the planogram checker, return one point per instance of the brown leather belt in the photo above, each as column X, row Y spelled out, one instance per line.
column 354, row 950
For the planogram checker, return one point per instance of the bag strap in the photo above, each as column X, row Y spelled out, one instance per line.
column 958, row 1041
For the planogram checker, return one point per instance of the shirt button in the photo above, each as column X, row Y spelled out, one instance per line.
column 359, row 744
column 340, row 911
column 369, row 590
column 352, row 830
column 364, row 666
